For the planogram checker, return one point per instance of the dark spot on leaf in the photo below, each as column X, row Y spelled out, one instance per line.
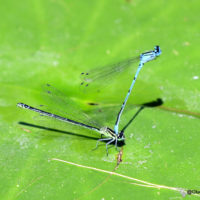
column 93, row 104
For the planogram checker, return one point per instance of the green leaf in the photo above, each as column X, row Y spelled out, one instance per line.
column 53, row 42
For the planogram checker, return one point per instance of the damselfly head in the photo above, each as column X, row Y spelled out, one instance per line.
column 157, row 50
column 121, row 136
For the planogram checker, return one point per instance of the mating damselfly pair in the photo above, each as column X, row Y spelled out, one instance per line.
column 111, row 135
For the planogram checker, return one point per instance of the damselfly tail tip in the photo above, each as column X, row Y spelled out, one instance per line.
column 21, row 105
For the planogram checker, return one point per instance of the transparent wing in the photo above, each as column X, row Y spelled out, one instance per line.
column 58, row 103
column 101, row 75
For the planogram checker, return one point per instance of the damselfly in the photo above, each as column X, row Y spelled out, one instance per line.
column 106, row 72
column 106, row 131
column 68, row 110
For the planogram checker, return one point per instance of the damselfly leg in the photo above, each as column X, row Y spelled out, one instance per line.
column 112, row 140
